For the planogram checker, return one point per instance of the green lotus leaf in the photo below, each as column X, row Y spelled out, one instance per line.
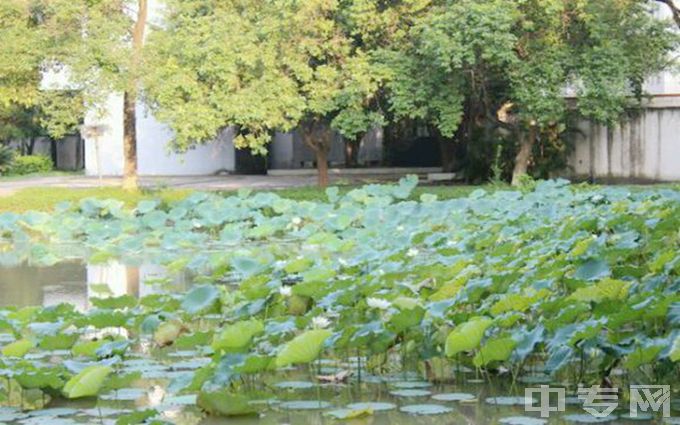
column 225, row 403
column 498, row 349
column 201, row 299
column 168, row 332
column 467, row 336
column 237, row 336
column 304, row 348
column 18, row 348
column 87, row 383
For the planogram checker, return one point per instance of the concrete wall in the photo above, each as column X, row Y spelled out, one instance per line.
column 287, row 150
column 69, row 151
column 154, row 156
column 644, row 147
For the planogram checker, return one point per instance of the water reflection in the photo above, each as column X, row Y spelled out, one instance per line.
column 76, row 283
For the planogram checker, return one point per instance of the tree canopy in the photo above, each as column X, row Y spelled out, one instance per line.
column 465, row 59
column 259, row 66
column 512, row 70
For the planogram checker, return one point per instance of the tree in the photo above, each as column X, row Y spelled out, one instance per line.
column 217, row 64
column 94, row 45
column 674, row 8
column 450, row 70
column 259, row 67
column 19, row 62
column 466, row 60
column 20, row 123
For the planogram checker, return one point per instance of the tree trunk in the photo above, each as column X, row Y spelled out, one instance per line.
column 317, row 135
column 53, row 153
column 352, row 152
column 130, row 181
column 322, row 167
column 446, row 148
column 523, row 158
column 675, row 10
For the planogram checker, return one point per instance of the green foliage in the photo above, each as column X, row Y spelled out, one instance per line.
column 88, row 382
column 462, row 62
column 571, row 280
column 467, row 336
column 495, row 350
column 237, row 336
column 30, row 164
column 47, row 199
column 201, row 299
column 284, row 61
column 260, row 67
column 47, row 37
column 7, row 156
column 304, row 348
column 18, row 348
column 225, row 403
column 168, row 332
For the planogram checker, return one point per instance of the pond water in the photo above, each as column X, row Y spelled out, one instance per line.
column 76, row 282
column 292, row 397
column 433, row 312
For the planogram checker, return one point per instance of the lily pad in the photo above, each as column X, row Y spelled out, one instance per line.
column 454, row 397
column 375, row 406
column 305, row 405
column 425, row 409
column 125, row 394
column 535, row 379
column 104, row 412
column 411, row 384
column 225, row 403
column 411, row 393
column 522, row 420
column 637, row 417
column 54, row 412
column 588, row 419
column 182, row 400
column 294, row 385
column 349, row 413
column 510, row 401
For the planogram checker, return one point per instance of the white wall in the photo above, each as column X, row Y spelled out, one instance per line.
column 644, row 147
column 154, row 156
column 667, row 82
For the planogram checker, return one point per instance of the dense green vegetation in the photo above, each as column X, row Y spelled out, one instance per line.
column 480, row 77
column 552, row 284
column 30, row 164
column 46, row 199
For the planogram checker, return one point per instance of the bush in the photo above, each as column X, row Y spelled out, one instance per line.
column 6, row 159
column 28, row 164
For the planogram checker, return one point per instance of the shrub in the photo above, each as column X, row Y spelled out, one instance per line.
column 6, row 158
column 28, row 164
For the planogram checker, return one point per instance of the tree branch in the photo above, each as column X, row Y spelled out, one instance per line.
column 675, row 10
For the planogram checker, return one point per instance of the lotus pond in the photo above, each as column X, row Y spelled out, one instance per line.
column 367, row 308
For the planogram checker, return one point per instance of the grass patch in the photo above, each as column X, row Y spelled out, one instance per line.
column 312, row 193
column 46, row 198
column 55, row 173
